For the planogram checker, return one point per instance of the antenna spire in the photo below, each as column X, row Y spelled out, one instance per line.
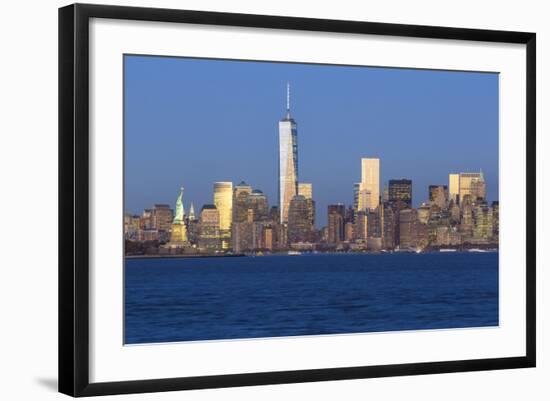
column 288, row 96
column 288, row 99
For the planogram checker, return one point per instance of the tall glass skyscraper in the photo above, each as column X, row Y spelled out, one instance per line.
column 454, row 183
column 463, row 184
column 288, row 160
column 472, row 184
column 223, row 200
column 401, row 190
column 370, row 183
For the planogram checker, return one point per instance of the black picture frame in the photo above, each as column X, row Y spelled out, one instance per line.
column 74, row 199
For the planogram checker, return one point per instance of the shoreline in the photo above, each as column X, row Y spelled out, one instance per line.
column 238, row 255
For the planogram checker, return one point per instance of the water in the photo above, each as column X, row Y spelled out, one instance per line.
column 250, row 297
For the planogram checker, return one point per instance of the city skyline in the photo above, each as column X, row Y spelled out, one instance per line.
column 330, row 189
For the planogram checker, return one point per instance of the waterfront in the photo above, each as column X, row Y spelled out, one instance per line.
column 173, row 299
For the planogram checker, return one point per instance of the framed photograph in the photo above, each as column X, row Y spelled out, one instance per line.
column 250, row 199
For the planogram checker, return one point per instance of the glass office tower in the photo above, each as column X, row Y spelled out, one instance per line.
column 288, row 161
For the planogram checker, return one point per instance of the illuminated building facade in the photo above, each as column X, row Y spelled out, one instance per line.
column 408, row 222
column 146, row 221
column 466, row 217
column 336, row 214
column 209, row 228
column 223, row 200
column 483, row 222
column 131, row 226
column 373, row 228
column 306, row 190
column 300, row 219
column 370, row 183
column 472, row 184
column 240, row 202
column 349, row 231
column 364, row 197
column 356, row 194
column 258, row 206
column 390, row 228
column 454, row 187
column 400, row 190
column 162, row 217
column 288, row 161
column 496, row 231
column 192, row 216
column 362, row 225
column 439, row 195
column 424, row 212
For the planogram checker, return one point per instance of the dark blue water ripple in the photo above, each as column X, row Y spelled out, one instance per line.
column 250, row 297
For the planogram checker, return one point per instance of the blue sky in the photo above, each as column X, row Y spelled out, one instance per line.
column 192, row 122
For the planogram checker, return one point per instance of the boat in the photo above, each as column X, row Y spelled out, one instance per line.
column 294, row 253
column 447, row 250
column 476, row 250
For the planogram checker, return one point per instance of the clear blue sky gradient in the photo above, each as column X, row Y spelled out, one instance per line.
column 192, row 122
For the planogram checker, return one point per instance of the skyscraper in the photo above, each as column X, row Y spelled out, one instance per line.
column 463, row 184
column 361, row 225
column 408, row 222
column 386, row 194
column 472, row 184
column 424, row 212
column 223, row 200
column 274, row 213
column 374, row 223
column 336, row 216
column 483, row 221
column 454, row 184
column 209, row 228
column 495, row 207
column 131, row 226
column 370, row 182
column 240, row 202
column 192, row 226
column 300, row 219
column 162, row 217
column 192, row 216
column 306, row 190
column 438, row 195
column 400, row 190
column 466, row 217
column 356, row 194
column 288, row 160
column 390, row 227
column 146, row 220
column 258, row 205
column 364, row 197
column 349, row 231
